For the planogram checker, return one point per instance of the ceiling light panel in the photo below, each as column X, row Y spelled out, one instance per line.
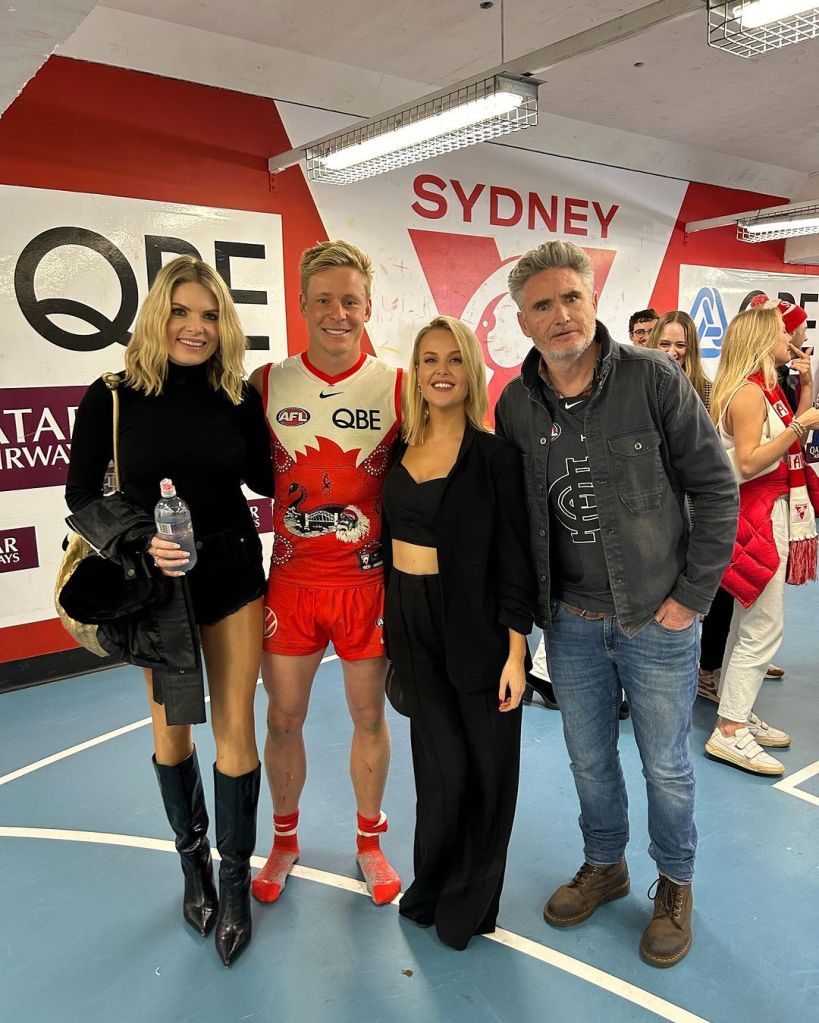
column 749, row 28
column 476, row 113
column 766, row 227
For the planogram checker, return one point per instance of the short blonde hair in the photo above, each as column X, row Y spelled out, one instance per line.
column 747, row 348
column 327, row 255
column 476, row 405
column 146, row 357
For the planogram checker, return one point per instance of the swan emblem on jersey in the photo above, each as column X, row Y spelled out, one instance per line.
column 348, row 522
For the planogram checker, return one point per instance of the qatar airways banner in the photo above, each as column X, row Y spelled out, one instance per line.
column 73, row 271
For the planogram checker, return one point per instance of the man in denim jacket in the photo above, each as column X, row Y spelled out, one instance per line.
column 614, row 437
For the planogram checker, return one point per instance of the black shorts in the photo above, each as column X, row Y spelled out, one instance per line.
column 227, row 575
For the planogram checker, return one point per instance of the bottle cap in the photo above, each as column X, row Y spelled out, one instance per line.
column 166, row 488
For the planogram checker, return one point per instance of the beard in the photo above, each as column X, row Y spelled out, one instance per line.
column 561, row 353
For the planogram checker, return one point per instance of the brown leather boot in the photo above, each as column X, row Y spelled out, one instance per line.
column 590, row 887
column 667, row 938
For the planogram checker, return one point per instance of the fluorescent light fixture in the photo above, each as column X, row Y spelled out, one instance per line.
column 759, row 13
column 773, row 225
column 764, row 227
column 753, row 27
column 475, row 113
column 425, row 130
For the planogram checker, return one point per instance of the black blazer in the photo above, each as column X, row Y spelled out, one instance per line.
column 482, row 538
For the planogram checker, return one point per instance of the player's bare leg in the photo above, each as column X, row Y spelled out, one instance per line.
column 287, row 681
column 369, row 763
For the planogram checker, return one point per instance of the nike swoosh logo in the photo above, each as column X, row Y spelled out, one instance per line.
column 330, row 394
column 574, row 403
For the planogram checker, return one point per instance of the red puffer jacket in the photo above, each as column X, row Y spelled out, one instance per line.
column 755, row 558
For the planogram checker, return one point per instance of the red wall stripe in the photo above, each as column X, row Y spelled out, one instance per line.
column 34, row 639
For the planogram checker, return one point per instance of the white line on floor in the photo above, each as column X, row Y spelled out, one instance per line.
column 90, row 743
column 791, row 784
column 551, row 957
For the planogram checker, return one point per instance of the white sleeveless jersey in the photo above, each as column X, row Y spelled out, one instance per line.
column 332, row 438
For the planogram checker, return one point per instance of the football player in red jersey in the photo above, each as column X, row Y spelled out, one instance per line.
column 334, row 413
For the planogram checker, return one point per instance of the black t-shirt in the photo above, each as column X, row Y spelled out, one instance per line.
column 579, row 572
column 207, row 445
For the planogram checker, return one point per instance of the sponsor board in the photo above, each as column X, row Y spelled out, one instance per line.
column 261, row 511
column 713, row 296
column 35, row 435
column 18, row 549
column 76, row 266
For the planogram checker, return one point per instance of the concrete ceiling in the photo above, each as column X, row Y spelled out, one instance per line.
column 685, row 94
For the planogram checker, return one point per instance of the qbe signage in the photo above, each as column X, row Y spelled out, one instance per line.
column 75, row 267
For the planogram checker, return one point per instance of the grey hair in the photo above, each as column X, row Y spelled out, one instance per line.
column 554, row 255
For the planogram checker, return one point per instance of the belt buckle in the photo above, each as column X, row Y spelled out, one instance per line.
column 585, row 614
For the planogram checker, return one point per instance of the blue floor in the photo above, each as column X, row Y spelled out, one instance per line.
column 93, row 932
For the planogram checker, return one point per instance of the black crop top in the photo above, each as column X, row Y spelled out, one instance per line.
column 412, row 507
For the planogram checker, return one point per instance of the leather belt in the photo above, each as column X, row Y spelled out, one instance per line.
column 589, row 616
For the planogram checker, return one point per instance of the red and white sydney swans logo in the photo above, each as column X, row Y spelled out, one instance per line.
column 467, row 279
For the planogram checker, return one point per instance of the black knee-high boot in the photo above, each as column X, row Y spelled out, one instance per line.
column 181, row 788
column 236, row 801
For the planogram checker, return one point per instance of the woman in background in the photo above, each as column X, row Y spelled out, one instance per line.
column 186, row 413
column 459, row 604
column 776, row 534
column 676, row 335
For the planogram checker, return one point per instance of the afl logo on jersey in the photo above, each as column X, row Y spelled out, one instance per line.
column 556, row 431
column 292, row 417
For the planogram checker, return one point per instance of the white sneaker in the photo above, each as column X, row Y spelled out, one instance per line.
column 765, row 734
column 742, row 749
column 708, row 686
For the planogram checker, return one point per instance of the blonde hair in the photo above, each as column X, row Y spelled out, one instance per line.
column 476, row 404
column 327, row 255
column 692, row 367
column 146, row 357
column 747, row 348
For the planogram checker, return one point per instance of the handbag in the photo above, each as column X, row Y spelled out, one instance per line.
column 78, row 549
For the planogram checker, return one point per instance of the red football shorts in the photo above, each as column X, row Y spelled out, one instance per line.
column 301, row 620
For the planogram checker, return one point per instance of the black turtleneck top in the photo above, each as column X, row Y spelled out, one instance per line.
column 207, row 445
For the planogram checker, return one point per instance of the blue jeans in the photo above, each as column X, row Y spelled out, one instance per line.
column 590, row 661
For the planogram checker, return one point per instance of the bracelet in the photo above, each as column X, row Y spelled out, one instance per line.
column 798, row 428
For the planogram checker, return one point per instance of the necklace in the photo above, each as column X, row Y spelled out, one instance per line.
column 587, row 390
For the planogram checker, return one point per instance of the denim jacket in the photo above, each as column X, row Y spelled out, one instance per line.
column 650, row 443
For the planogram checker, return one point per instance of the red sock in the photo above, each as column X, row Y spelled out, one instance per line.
column 269, row 883
column 382, row 882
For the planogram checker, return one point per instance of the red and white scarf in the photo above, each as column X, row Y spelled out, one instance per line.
column 802, row 545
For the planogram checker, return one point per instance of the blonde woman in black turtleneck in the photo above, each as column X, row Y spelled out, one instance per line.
column 186, row 413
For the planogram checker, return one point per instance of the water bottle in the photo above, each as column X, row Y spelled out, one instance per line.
column 173, row 521
column 109, row 481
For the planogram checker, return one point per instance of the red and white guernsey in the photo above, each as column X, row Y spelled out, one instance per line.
column 331, row 444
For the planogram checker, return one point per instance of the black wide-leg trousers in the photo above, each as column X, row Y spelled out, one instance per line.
column 466, row 758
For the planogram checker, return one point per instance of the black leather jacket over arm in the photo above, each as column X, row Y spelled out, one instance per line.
column 144, row 617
